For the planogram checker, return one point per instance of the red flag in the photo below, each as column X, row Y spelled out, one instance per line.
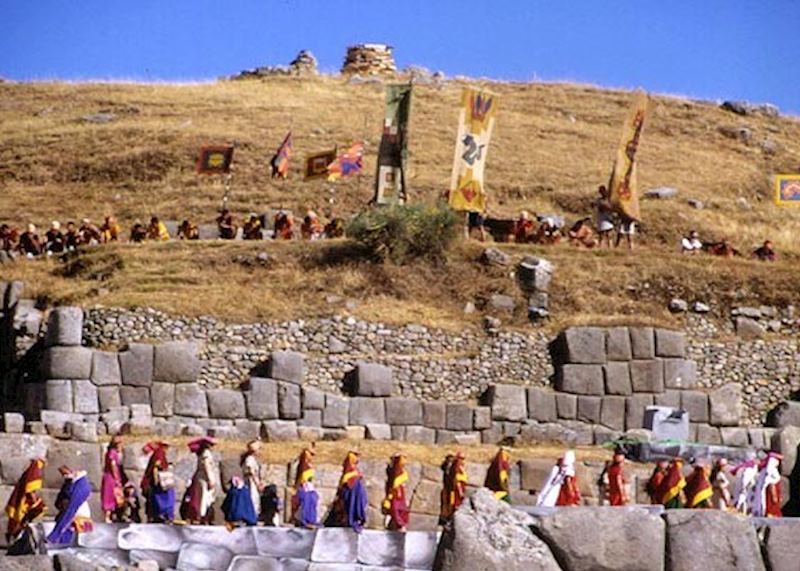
column 279, row 164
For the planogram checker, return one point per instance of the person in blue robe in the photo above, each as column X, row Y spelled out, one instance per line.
column 74, row 516
column 238, row 504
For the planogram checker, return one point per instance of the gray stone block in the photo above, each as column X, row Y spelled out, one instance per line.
column 617, row 377
column 162, row 396
column 151, row 536
column 696, row 404
column 67, row 363
column 335, row 545
column 311, row 418
column 580, row 379
column 541, row 405
column 446, row 437
column 782, row 550
column 372, row 380
column 134, row 395
column 643, row 345
column 365, row 410
column 667, row 423
column 262, row 399
column 584, row 345
column 589, row 409
column 58, row 419
column 434, row 414
column 508, row 402
column 618, row 344
column 225, row 403
column 734, row 436
column 248, row 429
column 757, row 437
column 459, row 416
column 670, row 398
column 109, row 397
column 82, row 431
column 336, row 413
column 402, row 411
column 286, row 366
column 105, row 368
column 647, row 376
column 13, row 423
column 378, row 432
column 65, row 327
column 493, row 434
column 635, row 406
column 420, row 435
column 280, row 430
column 85, row 397
column 381, row 548
column 420, row 549
column 726, row 405
column 190, row 400
column 58, row 395
column 196, row 556
column 76, row 455
column 288, row 401
column 140, row 412
column 313, row 399
column 482, row 417
column 566, row 406
column 136, row 365
column 708, row 434
column 176, row 362
column 670, row 343
column 680, row 374
column 284, row 542
column 749, row 329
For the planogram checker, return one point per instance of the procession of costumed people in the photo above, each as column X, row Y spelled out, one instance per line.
column 752, row 487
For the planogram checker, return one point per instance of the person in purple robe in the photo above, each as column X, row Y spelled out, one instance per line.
column 74, row 516
column 350, row 507
column 238, row 505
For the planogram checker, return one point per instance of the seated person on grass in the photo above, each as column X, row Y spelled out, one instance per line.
column 691, row 244
column 582, row 234
column 284, row 225
column 252, row 229
column 548, row 232
column 72, row 238
column 766, row 253
column 89, row 233
column 110, row 230
column 157, row 230
column 334, row 228
column 54, row 239
column 226, row 225
column 138, row 232
column 8, row 238
column 311, row 228
column 30, row 244
column 723, row 248
column 188, row 231
column 524, row 229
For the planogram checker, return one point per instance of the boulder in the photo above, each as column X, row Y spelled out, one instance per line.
column 618, row 344
column 708, row 434
column 487, row 534
column 136, row 365
column 289, row 401
column 618, row 539
column 670, row 398
column 401, row 411
column 420, row 435
column 647, row 376
column 105, row 368
column 734, row 436
column 481, row 417
column 162, row 398
column 495, row 257
column 286, row 366
column 786, row 441
column 643, row 342
column 311, row 418
column 580, row 379
column 726, row 405
column 696, row 404
column 225, row 403
column 190, row 400
column 176, row 362
column 381, row 548
column 583, row 345
column 262, row 399
column 420, row 549
column 508, row 402
column 459, row 416
column 336, row 413
column 434, row 414
column 58, row 395
column 13, row 422
column 711, row 540
column 364, row 410
column 785, row 414
column 680, row 373
column 617, row 378
column 85, row 397
column 372, row 380
column 781, row 548
column 635, row 406
column 64, row 327
column 749, row 329
column 67, row 363
column 280, row 430
column 541, row 405
column 197, row 556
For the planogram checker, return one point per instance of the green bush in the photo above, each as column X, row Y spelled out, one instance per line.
column 407, row 232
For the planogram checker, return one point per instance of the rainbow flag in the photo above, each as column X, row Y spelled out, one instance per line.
column 279, row 164
column 622, row 187
column 476, row 122
column 349, row 162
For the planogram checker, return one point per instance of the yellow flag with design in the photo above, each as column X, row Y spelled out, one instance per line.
column 622, row 187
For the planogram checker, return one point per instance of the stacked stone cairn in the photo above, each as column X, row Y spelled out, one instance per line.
column 369, row 59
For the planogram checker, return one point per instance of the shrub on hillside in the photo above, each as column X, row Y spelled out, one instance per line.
column 407, row 232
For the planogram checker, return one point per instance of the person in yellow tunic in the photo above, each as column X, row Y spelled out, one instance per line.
column 394, row 504
column 157, row 230
column 455, row 486
column 497, row 475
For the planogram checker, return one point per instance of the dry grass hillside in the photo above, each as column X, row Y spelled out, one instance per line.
column 553, row 145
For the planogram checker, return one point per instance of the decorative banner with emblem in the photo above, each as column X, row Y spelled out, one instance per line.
column 390, row 179
column 622, row 187
column 317, row 164
column 787, row 190
column 215, row 159
column 476, row 121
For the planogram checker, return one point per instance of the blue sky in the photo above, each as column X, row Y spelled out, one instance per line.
column 703, row 48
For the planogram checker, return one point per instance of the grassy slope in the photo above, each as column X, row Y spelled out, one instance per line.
column 552, row 146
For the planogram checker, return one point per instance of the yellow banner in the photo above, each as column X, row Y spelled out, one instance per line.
column 476, row 121
column 622, row 186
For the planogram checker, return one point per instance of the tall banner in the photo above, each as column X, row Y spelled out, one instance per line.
column 390, row 179
column 622, row 185
column 476, row 121
column 279, row 164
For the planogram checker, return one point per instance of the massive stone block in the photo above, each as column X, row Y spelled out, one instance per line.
column 403, row 411
column 67, row 363
column 105, row 368
column 336, row 413
column 420, row 549
column 618, row 344
column 225, row 403
column 310, row 418
column 459, row 416
column 282, row 542
column 647, row 376
column 262, row 399
column 176, row 362
column 420, row 435
column 696, row 404
column 711, row 539
column 76, row 455
column 670, row 398
column 365, row 410
column 541, row 405
column 136, row 365
column 58, row 395
column 134, row 395
column 708, row 434
column 680, row 374
column 280, row 430
column 583, row 345
column 313, row 399
column 782, row 550
column 566, row 406
column 670, row 343
column 151, row 536
column 481, row 417
column 617, row 376
column 378, row 432
column 589, row 409
column 286, row 366
column 580, row 379
column 65, row 327
column 289, row 401
column 85, row 397
column 203, row 556
column 109, row 397
column 508, row 402
column 372, row 380
column 434, row 414
column 643, row 344
column 612, row 412
column 785, row 414
column 162, row 397
column 190, row 400
column 635, row 406
column 786, row 441
column 381, row 548
column 726, row 405
column 335, row 545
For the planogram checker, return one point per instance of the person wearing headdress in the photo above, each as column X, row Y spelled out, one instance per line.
column 74, row 516
column 112, row 495
column 653, row 486
column 394, row 504
column 311, row 228
column 237, row 507
column 251, row 470
column 24, row 504
column 284, row 225
column 157, row 485
column 497, row 475
column 455, row 486
column 252, row 228
column 767, row 492
column 305, row 498
column 671, row 488
column 350, row 506
column 721, row 499
column 617, row 496
column 198, row 502
column 561, row 487
column 698, row 490
column 746, row 474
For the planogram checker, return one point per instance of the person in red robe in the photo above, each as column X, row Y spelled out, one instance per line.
column 654, row 483
column 767, row 499
column 569, row 494
column 617, row 495
column 395, row 504
column 698, row 488
column 159, row 495
column 671, row 488
column 25, row 505
column 455, row 484
column 497, row 475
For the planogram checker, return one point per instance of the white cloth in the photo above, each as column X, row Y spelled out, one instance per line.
column 208, row 476
column 768, row 476
column 83, row 511
column 691, row 244
column 251, row 470
column 722, row 495
column 743, row 487
column 548, row 496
